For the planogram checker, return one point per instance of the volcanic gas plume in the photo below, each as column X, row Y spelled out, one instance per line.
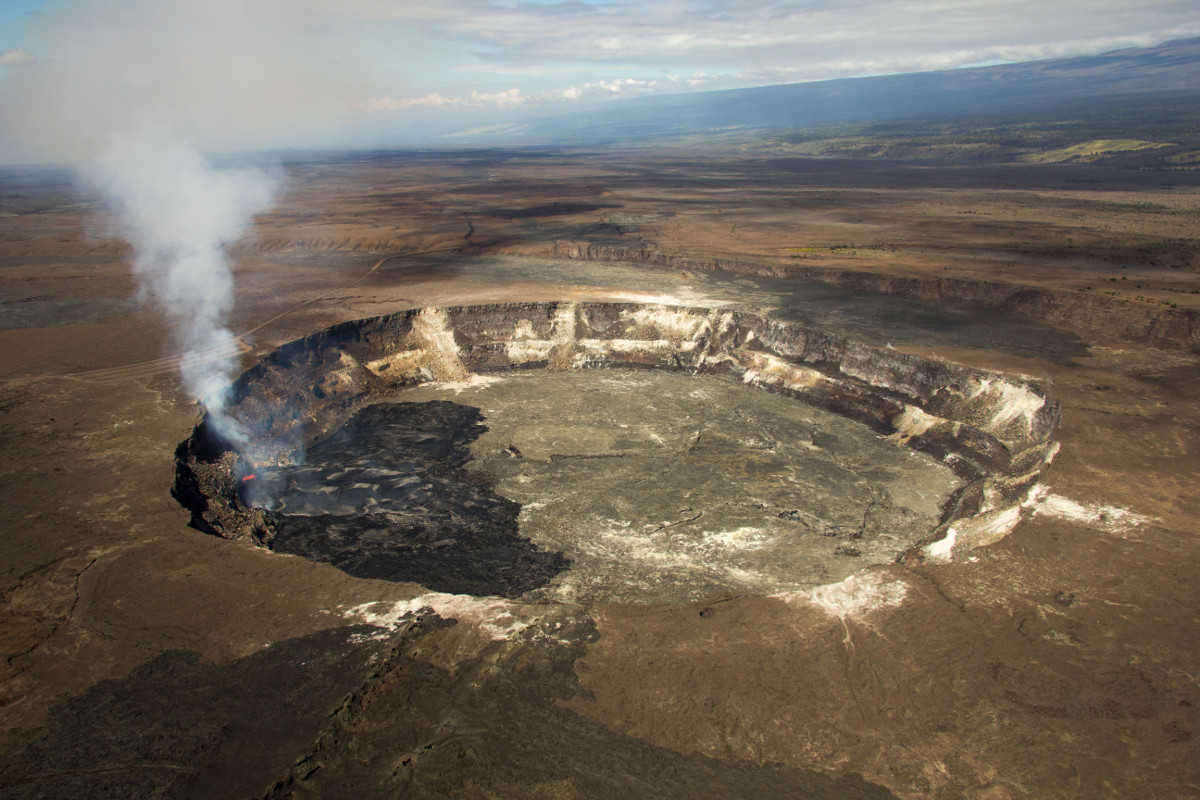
column 134, row 91
column 180, row 212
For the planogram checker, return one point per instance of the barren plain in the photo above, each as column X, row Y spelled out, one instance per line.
column 142, row 657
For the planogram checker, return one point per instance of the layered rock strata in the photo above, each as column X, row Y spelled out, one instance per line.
column 1155, row 325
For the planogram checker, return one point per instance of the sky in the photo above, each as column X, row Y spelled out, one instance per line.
column 278, row 73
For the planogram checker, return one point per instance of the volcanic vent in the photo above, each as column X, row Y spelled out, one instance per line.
column 475, row 450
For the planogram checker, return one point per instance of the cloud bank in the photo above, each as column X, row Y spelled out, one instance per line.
column 16, row 58
column 260, row 73
column 221, row 73
column 557, row 47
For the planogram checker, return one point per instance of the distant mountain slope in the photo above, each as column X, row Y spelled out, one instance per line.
column 1171, row 70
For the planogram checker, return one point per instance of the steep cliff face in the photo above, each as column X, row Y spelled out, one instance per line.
column 1171, row 328
column 996, row 433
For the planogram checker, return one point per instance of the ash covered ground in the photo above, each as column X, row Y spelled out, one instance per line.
column 145, row 658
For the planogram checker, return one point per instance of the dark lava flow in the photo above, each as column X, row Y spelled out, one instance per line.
column 387, row 497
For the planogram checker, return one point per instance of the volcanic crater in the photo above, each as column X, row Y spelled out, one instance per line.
column 585, row 452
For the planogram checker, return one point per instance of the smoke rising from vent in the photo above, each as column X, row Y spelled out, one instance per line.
column 135, row 92
column 180, row 212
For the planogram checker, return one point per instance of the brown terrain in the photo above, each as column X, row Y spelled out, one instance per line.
column 142, row 657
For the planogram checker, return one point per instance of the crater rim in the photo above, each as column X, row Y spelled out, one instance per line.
column 996, row 432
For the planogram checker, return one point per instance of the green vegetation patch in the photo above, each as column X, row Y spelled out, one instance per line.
column 1090, row 151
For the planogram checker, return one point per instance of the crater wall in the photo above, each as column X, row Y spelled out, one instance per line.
column 1155, row 325
column 995, row 432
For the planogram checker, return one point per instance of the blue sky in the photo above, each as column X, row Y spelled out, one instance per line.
column 13, row 16
column 280, row 71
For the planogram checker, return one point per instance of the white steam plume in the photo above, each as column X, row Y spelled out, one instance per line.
column 134, row 91
column 180, row 213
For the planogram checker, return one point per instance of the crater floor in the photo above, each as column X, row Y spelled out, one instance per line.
column 666, row 486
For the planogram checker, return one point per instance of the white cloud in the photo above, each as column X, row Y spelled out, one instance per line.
column 433, row 100
column 509, row 97
column 633, row 87
column 477, row 99
column 822, row 38
column 573, row 51
column 16, row 58
column 254, row 72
